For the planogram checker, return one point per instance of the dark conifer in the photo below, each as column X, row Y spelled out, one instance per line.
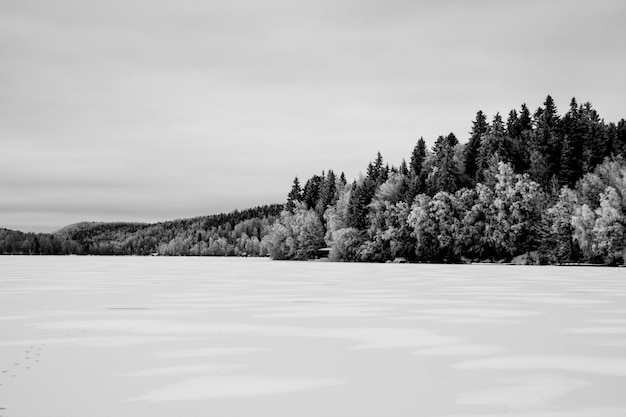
column 513, row 128
column 294, row 195
column 619, row 137
column 571, row 160
column 311, row 191
column 479, row 128
column 327, row 192
column 445, row 175
column 545, row 148
column 360, row 197
column 342, row 179
column 404, row 170
column 417, row 158
column 525, row 119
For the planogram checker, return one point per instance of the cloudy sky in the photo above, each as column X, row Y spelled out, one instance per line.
column 148, row 110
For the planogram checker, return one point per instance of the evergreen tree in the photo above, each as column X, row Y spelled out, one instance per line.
column 571, row 161
column 295, row 195
column 513, row 127
column 360, row 197
column 546, row 146
column 416, row 174
column 517, row 127
column 311, row 191
column 525, row 119
column 417, row 158
column 404, row 169
column 327, row 193
column 479, row 128
column 377, row 171
column 619, row 141
column 596, row 140
column 342, row 180
column 445, row 175
column 492, row 145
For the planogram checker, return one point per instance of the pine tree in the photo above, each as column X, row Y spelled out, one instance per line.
column 596, row 139
column 571, row 161
column 404, row 169
column 294, row 195
column 417, row 158
column 327, row 192
column 380, row 171
column 342, row 179
column 493, row 146
column 547, row 140
column 525, row 119
column 357, row 206
column 416, row 172
column 479, row 128
column 445, row 175
column 513, row 127
column 311, row 191
column 517, row 132
column 619, row 144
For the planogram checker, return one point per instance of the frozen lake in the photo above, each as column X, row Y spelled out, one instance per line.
column 128, row 336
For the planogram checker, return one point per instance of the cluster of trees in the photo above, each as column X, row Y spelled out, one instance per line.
column 548, row 186
column 14, row 242
column 234, row 234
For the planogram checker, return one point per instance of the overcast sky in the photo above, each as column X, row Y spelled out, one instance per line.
column 148, row 110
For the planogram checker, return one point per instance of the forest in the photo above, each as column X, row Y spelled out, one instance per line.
column 538, row 188
column 234, row 234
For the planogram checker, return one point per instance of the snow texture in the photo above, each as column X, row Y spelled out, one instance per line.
column 122, row 336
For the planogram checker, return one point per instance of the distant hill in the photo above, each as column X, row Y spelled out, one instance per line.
column 235, row 233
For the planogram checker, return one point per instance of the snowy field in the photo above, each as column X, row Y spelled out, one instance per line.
column 186, row 337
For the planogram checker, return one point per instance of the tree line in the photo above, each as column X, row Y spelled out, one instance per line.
column 234, row 234
column 546, row 187
column 541, row 187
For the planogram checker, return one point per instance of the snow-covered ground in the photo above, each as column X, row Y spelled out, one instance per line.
column 128, row 336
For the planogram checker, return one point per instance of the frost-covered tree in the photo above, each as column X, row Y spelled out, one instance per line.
column 435, row 223
column 296, row 235
column 518, row 205
column 583, row 222
column 346, row 245
column 608, row 230
column 557, row 240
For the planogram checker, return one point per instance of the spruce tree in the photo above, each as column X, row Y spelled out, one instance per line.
column 545, row 144
column 525, row 119
column 416, row 174
column 479, row 128
column 311, row 191
column 327, row 192
column 342, row 179
column 380, row 171
column 404, row 169
column 619, row 137
column 294, row 195
column 445, row 175
column 357, row 206
column 493, row 144
column 417, row 158
column 513, row 128
column 571, row 160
